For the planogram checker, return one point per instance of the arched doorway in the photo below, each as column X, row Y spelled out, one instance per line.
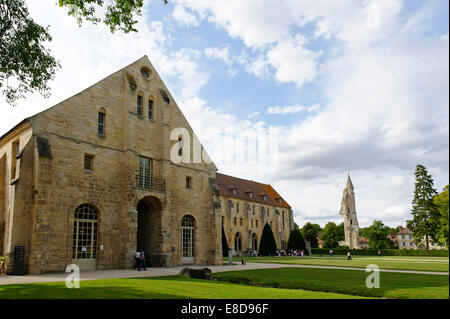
column 149, row 237
column 238, row 242
column 85, row 233
column 254, row 242
column 187, row 240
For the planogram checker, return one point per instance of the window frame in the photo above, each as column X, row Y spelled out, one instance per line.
column 101, row 123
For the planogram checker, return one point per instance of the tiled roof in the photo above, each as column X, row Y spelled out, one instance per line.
column 404, row 231
column 363, row 240
column 243, row 187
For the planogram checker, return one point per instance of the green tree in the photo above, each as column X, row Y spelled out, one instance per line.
column 116, row 14
column 377, row 234
column 309, row 232
column 424, row 211
column 26, row 65
column 267, row 244
column 331, row 235
column 442, row 202
column 224, row 243
column 296, row 241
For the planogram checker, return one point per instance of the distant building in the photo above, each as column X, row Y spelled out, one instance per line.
column 405, row 239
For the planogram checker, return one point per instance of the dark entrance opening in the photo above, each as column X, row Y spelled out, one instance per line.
column 149, row 237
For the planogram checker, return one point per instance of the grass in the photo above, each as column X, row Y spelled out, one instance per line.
column 388, row 262
column 170, row 287
column 392, row 285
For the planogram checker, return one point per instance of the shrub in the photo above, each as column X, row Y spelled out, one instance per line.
column 296, row 241
column 224, row 243
column 267, row 246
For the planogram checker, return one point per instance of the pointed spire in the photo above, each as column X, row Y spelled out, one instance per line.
column 349, row 182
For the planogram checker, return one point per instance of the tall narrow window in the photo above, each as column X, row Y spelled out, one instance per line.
column 145, row 172
column 88, row 162
column 150, row 109
column 188, row 182
column 14, row 153
column 84, row 242
column 187, row 239
column 283, row 219
column 240, row 221
column 101, row 123
column 139, row 105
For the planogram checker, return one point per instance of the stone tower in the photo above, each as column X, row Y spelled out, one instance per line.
column 348, row 211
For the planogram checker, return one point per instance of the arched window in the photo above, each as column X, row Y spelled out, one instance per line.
column 237, row 242
column 254, row 242
column 85, row 225
column 187, row 239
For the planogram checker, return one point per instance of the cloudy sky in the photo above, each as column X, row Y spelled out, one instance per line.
column 349, row 86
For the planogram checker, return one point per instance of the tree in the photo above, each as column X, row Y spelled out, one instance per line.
column 442, row 202
column 309, row 232
column 425, row 213
column 377, row 234
column 296, row 241
column 224, row 243
column 331, row 235
column 267, row 244
column 118, row 14
column 26, row 66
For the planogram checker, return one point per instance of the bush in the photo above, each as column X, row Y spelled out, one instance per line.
column 385, row 252
column 224, row 243
column 267, row 246
column 296, row 241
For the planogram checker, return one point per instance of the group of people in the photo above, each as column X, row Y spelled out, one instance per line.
column 295, row 252
column 140, row 260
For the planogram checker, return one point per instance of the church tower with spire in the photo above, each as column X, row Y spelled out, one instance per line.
column 348, row 212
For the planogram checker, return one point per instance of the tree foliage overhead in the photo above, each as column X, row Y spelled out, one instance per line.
column 25, row 64
column 267, row 245
column 377, row 234
column 296, row 241
column 425, row 213
column 442, row 202
column 116, row 14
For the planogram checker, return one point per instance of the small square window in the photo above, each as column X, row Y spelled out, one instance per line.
column 188, row 182
column 88, row 162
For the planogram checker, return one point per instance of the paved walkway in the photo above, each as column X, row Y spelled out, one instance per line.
column 166, row 271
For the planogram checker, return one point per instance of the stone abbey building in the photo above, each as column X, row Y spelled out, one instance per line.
column 92, row 179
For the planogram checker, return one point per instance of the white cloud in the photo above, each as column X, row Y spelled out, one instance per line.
column 292, row 109
column 219, row 54
column 183, row 16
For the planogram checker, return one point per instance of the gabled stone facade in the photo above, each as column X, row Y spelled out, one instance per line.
column 111, row 170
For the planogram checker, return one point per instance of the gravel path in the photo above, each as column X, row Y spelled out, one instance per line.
column 165, row 271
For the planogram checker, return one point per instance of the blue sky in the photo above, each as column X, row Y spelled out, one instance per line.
column 352, row 86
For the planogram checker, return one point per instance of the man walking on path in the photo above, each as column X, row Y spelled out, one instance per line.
column 349, row 256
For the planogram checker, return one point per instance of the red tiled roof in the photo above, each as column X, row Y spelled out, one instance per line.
column 363, row 239
column 243, row 186
column 404, row 231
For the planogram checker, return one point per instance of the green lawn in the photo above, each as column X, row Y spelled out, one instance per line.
column 388, row 262
column 171, row 287
column 392, row 285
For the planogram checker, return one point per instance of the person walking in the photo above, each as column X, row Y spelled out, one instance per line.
column 349, row 256
column 141, row 261
column 331, row 252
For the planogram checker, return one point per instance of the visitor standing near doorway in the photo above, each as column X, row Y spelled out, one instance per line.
column 137, row 258
column 141, row 261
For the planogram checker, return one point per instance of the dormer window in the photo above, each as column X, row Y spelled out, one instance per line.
column 250, row 194
column 265, row 197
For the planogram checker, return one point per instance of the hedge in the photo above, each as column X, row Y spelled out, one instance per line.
column 384, row 252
